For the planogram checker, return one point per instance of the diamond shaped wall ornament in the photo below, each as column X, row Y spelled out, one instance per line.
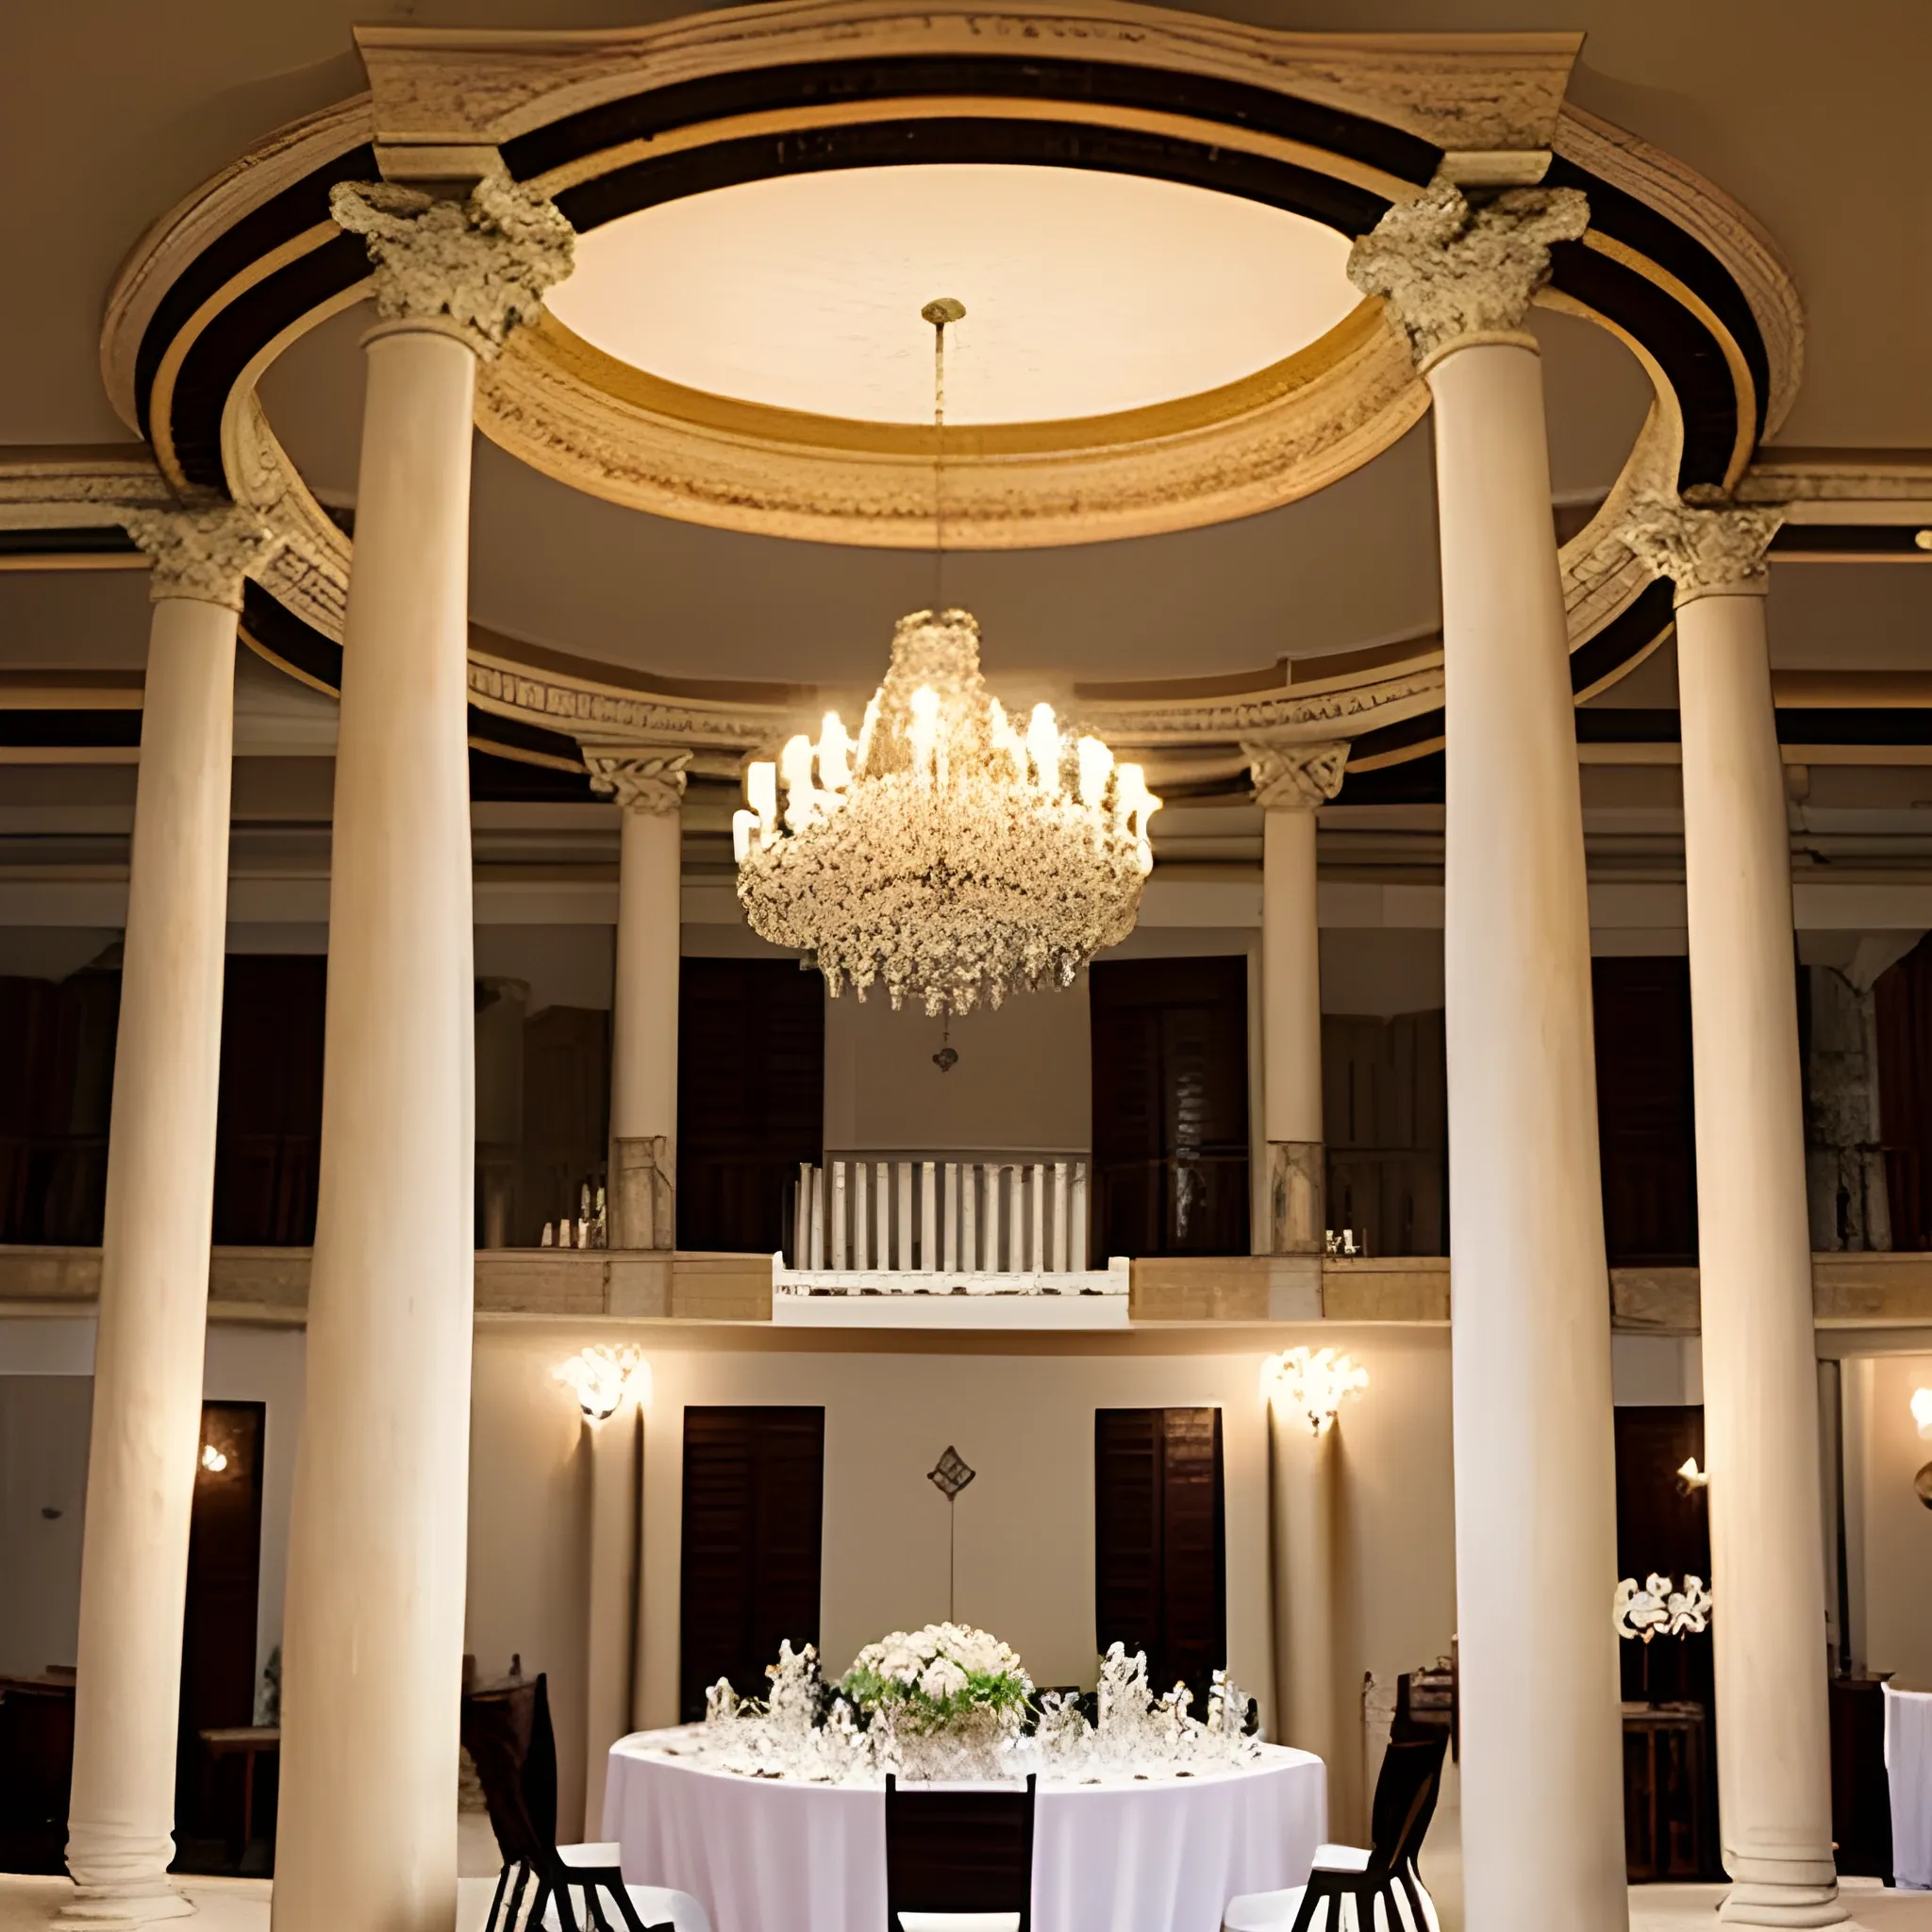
column 951, row 1474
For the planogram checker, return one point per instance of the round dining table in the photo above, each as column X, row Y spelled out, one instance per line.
column 1121, row 1854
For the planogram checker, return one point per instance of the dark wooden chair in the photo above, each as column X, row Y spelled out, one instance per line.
column 958, row 1861
column 1356, row 1890
column 508, row 1733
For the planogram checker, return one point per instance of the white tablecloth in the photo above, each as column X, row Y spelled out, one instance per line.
column 767, row 1856
column 1909, row 1770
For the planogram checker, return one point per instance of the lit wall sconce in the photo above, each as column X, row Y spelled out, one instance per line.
column 212, row 1460
column 1310, row 1384
column 1922, row 1413
column 1691, row 1477
column 605, row 1378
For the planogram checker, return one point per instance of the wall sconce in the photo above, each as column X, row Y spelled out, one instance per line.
column 1691, row 1477
column 605, row 1379
column 1922, row 1413
column 1310, row 1383
column 212, row 1460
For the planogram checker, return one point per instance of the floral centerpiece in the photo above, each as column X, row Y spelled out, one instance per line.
column 945, row 1700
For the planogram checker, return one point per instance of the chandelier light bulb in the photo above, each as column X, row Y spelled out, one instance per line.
column 948, row 854
column 603, row 1378
column 1310, row 1384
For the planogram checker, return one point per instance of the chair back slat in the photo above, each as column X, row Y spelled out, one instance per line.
column 953, row 1851
column 1406, row 1791
column 508, row 1736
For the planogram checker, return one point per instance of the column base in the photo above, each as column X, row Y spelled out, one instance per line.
column 1757, row 1901
column 117, row 1908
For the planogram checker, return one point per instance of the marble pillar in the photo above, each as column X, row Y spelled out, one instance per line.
column 146, row 1428
column 1535, row 1514
column 374, row 1630
column 643, row 1063
column 1290, row 782
column 1760, row 1401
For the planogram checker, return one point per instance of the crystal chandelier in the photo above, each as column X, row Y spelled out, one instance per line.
column 947, row 852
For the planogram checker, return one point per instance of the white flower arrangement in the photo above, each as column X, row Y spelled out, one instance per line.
column 942, row 1676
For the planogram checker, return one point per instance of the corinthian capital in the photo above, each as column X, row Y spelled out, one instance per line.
column 1296, row 777
column 651, row 782
column 1706, row 553
column 480, row 265
column 1449, row 270
column 203, row 554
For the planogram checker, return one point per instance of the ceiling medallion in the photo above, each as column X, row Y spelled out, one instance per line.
column 947, row 854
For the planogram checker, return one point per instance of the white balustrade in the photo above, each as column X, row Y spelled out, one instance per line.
column 930, row 1216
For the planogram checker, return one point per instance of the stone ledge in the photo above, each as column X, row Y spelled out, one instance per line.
column 1851, row 1290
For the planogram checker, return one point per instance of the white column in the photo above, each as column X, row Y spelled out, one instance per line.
column 643, row 1061
column 1760, row 1394
column 374, row 1628
column 1535, row 1517
column 1290, row 782
column 146, row 1427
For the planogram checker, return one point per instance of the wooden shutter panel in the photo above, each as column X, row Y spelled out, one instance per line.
column 754, row 1514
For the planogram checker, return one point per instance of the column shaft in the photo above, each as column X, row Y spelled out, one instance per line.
column 375, row 1625
column 1302, row 1500
column 1535, row 1543
column 643, row 1071
column 1759, row 1370
column 1292, row 1032
column 153, row 1279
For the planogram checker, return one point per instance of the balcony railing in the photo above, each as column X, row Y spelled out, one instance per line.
column 938, row 1216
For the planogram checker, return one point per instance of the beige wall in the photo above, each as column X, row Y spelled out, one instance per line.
column 1023, row 1081
column 1894, row 1565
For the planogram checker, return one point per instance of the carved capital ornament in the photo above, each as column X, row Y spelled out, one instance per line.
column 203, row 554
column 1296, row 777
column 1450, row 270
column 479, row 267
column 1706, row 553
column 650, row 782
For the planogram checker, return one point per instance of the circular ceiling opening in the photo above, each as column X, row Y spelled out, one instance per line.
column 1085, row 292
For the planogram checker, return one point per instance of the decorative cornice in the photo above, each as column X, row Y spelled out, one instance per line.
column 1280, row 720
column 1449, row 270
column 613, row 719
column 1296, row 777
column 480, row 265
column 206, row 554
column 648, row 782
column 1704, row 552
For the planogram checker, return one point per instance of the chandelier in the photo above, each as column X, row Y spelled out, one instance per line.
column 947, row 852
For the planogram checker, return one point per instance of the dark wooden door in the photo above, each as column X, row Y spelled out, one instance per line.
column 268, row 1131
column 218, row 1675
column 1663, row 1524
column 754, row 1514
column 1385, row 1111
column 56, row 1076
column 1169, row 1106
column 1646, row 1127
column 1161, row 1543
column 1903, row 997
column 751, row 1098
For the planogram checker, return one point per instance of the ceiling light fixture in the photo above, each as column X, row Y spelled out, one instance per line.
column 948, row 851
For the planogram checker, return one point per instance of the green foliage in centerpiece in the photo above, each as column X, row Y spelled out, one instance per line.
column 943, row 1678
